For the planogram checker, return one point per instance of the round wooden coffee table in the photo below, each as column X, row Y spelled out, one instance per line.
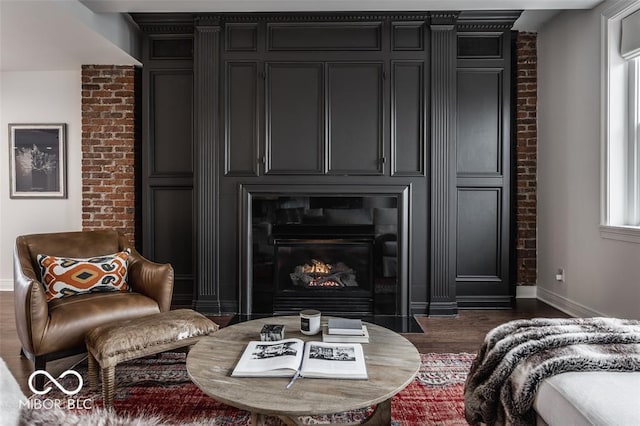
column 392, row 363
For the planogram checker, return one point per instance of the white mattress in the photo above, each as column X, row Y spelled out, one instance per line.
column 590, row 398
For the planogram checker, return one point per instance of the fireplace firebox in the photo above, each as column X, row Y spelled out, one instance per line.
column 326, row 267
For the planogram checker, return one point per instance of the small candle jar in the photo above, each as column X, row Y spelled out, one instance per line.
column 310, row 322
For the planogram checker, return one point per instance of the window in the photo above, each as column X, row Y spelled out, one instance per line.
column 621, row 122
column 633, row 145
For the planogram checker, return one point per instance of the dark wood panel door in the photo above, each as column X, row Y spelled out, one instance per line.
column 167, row 158
column 480, row 114
column 356, row 129
column 408, row 118
column 171, row 122
column 294, row 118
column 171, row 228
column 483, row 171
column 324, row 36
column 168, row 201
column 479, row 234
column 241, row 119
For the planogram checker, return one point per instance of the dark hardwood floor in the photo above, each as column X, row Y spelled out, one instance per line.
column 463, row 333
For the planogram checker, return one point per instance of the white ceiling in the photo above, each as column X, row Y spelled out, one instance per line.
column 60, row 35
column 327, row 5
column 64, row 34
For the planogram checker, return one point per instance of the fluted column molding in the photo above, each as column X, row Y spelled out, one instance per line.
column 443, row 151
column 206, row 83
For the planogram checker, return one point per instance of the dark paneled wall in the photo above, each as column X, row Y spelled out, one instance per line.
column 389, row 103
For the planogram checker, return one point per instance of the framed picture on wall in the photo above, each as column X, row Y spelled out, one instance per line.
column 37, row 160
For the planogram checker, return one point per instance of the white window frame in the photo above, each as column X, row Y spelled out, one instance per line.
column 620, row 195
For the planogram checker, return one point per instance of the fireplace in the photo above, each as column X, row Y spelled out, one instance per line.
column 338, row 254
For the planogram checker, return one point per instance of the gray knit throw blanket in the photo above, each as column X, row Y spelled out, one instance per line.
column 516, row 356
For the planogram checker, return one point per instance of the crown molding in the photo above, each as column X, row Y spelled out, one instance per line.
column 323, row 17
column 185, row 23
column 487, row 20
column 164, row 23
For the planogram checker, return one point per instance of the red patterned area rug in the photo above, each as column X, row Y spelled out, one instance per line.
column 161, row 386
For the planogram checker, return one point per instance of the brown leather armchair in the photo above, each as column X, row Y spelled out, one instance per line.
column 56, row 329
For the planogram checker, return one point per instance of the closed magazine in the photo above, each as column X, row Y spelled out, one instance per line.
column 284, row 358
column 345, row 326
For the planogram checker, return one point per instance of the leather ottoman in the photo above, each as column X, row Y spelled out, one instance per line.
column 110, row 344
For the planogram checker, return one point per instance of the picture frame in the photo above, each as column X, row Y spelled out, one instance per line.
column 38, row 160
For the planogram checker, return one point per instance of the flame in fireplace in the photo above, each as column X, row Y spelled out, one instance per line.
column 321, row 274
column 317, row 267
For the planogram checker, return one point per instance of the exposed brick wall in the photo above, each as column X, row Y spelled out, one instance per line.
column 526, row 157
column 108, row 156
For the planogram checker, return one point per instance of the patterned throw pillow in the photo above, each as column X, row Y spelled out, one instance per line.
column 65, row 276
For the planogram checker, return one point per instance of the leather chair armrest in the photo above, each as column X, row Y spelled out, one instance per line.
column 154, row 280
column 31, row 308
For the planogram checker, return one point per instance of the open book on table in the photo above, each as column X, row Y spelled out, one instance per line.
column 283, row 358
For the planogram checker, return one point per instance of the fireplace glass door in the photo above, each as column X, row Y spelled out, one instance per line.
column 335, row 254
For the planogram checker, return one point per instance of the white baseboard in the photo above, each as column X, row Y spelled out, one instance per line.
column 526, row 292
column 6, row 285
column 567, row 306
